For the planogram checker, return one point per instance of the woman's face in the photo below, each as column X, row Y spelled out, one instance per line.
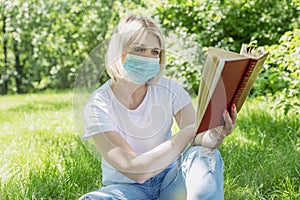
column 148, row 47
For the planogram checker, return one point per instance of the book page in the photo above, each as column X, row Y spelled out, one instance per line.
column 208, row 72
column 212, row 83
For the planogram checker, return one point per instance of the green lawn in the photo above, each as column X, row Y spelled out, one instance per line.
column 43, row 157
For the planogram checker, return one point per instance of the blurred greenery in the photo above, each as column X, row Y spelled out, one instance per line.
column 44, row 44
column 282, row 68
column 229, row 23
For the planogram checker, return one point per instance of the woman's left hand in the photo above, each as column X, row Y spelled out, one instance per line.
column 213, row 138
column 230, row 122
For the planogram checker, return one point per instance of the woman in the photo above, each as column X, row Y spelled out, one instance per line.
column 130, row 119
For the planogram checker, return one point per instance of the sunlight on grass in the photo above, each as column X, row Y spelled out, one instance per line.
column 40, row 147
column 43, row 157
column 260, row 154
column 242, row 140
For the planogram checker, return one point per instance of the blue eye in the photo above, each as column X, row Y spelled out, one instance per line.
column 139, row 49
column 155, row 52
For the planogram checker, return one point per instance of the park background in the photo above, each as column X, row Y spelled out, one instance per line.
column 44, row 45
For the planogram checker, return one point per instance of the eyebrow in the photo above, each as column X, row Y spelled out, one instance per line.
column 143, row 45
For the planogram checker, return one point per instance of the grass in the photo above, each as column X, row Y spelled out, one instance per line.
column 41, row 154
column 262, row 156
column 43, row 157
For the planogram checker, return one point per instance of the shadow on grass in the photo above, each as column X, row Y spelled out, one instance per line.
column 69, row 173
column 262, row 157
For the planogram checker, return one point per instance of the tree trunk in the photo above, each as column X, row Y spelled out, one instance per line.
column 18, row 67
column 4, row 75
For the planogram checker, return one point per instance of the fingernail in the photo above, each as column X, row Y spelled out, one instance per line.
column 225, row 112
column 233, row 106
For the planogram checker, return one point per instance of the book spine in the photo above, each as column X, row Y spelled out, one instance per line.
column 246, row 84
column 237, row 99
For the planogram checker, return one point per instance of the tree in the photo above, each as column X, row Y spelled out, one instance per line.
column 229, row 23
column 3, row 72
column 46, row 42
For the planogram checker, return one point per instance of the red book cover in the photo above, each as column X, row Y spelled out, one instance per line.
column 227, row 78
column 223, row 94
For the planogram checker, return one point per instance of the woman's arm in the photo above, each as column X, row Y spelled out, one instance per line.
column 141, row 167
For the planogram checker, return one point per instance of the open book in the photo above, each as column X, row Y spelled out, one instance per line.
column 227, row 78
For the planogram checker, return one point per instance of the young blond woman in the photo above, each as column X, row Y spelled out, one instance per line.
column 130, row 119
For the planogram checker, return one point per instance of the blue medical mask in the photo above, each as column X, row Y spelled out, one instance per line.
column 141, row 69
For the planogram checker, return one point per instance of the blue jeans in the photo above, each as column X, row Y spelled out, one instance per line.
column 198, row 174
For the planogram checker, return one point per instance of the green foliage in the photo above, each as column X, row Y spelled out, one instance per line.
column 184, row 60
column 53, row 38
column 229, row 23
column 287, row 105
column 183, row 72
column 47, row 42
column 282, row 70
column 280, row 77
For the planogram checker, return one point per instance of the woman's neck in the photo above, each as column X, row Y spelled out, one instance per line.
column 129, row 94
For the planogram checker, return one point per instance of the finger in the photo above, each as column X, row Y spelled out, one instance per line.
column 228, row 120
column 233, row 114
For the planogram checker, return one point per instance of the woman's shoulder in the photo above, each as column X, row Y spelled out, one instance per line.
column 163, row 81
column 103, row 88
column 102, row 93
column 168, row 83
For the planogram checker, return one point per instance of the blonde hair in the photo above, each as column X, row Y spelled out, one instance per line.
column 130, row 29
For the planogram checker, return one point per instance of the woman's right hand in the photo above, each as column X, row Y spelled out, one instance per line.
column 211, row 138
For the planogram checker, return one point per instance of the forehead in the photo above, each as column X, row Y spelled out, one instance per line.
column 150, row 40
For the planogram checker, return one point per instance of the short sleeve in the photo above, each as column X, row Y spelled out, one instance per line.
column 97, row 116
column 180, row 97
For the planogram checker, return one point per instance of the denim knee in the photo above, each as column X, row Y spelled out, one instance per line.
column 98, row 196
column 201, row 152
column 203, row 168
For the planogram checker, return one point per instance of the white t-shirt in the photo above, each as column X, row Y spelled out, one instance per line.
column 143, row 128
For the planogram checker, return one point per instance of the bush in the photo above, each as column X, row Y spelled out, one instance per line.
column 229, row 23
column 280, row 77
column 281, row 73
